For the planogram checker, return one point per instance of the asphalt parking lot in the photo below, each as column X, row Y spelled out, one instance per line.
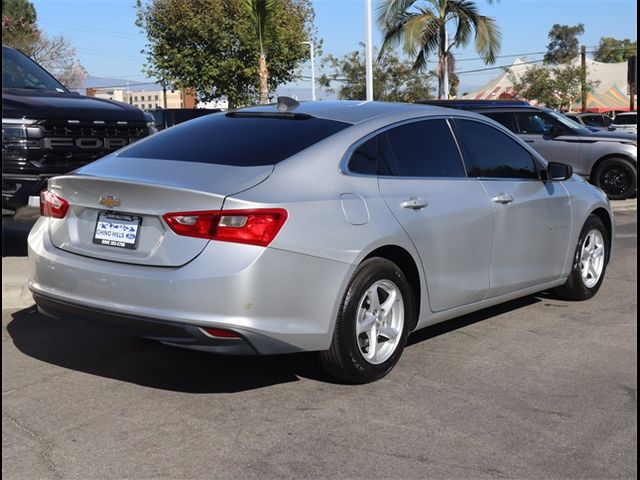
column 536, row 388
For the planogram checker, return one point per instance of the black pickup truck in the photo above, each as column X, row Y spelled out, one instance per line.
column 168, row 117
column 48, row 130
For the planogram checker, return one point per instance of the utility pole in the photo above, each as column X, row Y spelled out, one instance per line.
column 312, row 54
column 164, row 94
column 583, row 76
column 446, row 65
column 632, row 76
column 368, row 42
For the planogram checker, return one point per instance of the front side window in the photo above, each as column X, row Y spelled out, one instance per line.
column 424, row 149
column 490, row 153
column 595, row 121
column 535, row 123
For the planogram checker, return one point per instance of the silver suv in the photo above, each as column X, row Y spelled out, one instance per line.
column 606, row 159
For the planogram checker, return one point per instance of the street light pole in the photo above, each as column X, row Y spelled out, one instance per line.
column 312, row 55
column 368, row 50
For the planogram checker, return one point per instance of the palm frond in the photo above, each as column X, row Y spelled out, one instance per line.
column 488, row 39
column 261, row 12
column 390, row 12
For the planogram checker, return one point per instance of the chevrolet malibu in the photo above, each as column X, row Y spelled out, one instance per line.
column 337, row 227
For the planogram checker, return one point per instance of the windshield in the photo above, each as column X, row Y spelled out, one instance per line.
column 569, row 123
column 19, row 71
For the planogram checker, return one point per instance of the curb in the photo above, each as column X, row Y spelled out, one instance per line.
column 15, row 293
column 619, row 206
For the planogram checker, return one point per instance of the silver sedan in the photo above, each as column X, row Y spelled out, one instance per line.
column 337, row 227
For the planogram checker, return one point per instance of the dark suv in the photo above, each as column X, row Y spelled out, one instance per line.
column 168, row 117
column 606, row 159
column 48, row 130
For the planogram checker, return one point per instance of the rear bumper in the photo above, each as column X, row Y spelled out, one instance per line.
column 278, row 301
column 173, row 333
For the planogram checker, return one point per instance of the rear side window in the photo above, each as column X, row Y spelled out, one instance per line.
column 243, row 141
column 503, row 118
column 424, row 149
column 626, row 120
column 493, row 154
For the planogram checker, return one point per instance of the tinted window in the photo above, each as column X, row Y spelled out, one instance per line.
column 625, row 120
column 19, row 71
column 365, row 158
column 242, row 141
column 503, row 118
column 491, row 153
column 537, row 122
column 594, row 120
column 370, row 158
column 424, row 149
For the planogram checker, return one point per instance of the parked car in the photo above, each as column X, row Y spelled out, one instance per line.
column 168, row 117
column 48, row 130
column 627, row 122
column 606, row 159
column 339, row 227
column 597, row 121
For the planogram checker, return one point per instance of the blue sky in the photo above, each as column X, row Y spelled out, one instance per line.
column 108, row 43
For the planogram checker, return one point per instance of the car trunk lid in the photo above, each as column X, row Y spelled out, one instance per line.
column 118, row 215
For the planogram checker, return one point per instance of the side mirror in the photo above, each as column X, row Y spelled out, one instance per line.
column 558, row 172
column 556, row 131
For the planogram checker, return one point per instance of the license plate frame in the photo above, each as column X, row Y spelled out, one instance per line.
column 110, row 224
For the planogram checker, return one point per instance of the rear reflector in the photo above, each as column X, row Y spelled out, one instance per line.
column 52, row 205
column 219, row 332
column 254, row 227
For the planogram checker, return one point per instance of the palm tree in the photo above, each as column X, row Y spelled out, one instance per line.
column 421, row 29
column 261, row 13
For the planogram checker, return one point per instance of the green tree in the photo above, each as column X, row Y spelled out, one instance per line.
column 393, row 80
column 612, row 50
column 20, row 30
column 563, row 43
column 421, row 28
column 556, row 87
column 210, row 45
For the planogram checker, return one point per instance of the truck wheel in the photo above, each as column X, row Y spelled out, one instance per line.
column 372, row 325
column 617, row 177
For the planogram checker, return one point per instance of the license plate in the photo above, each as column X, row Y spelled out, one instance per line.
column 115, row 230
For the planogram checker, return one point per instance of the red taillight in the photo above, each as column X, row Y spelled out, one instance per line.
column 52, row 205
column 219, row 332
column 255, row 227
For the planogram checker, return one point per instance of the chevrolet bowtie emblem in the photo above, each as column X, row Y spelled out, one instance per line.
column 109, row 201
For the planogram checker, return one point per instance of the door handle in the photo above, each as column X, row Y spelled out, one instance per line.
column 414, row 204
column 530, row 141
column 503, row 198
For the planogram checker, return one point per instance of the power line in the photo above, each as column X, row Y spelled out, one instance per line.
column 94, row 30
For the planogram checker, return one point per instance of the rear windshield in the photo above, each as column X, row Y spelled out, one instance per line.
column 243, row 141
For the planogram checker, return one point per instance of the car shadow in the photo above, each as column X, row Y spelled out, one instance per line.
column 91, row 349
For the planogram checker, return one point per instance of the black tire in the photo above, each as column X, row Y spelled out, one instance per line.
column 344, row 359
column 617, row 177
column 575, row 288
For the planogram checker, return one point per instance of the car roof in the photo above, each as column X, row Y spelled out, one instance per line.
column 353, row 111
column 626, row 113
